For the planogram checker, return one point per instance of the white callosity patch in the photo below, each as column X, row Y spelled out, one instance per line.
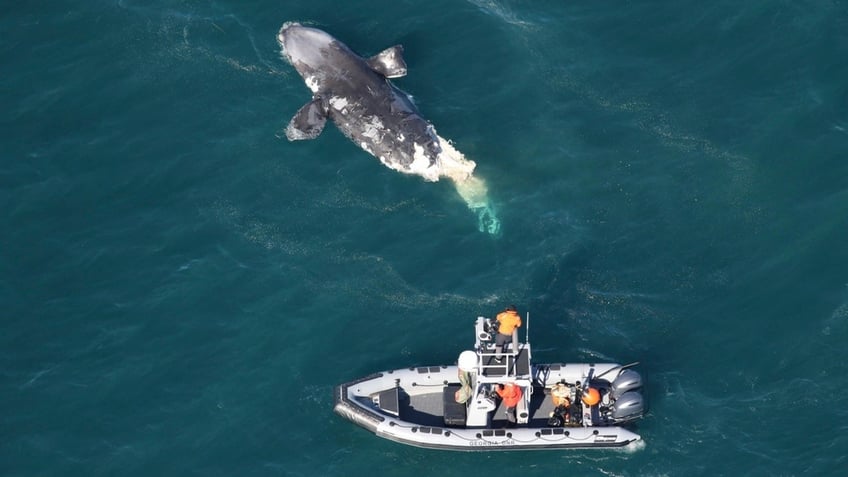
column 339, row 104
column 422, row 166
column 312, row 83
column 373, row 129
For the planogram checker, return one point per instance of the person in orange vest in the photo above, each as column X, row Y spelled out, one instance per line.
column 511, row 395
column 508, row 321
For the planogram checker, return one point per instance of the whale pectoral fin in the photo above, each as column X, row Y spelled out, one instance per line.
column 389, row 62
column 308, row 122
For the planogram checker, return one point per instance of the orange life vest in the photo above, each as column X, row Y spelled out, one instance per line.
column 510, row 394
column 509, row 320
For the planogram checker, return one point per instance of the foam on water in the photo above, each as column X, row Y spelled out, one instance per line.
column 471, row 188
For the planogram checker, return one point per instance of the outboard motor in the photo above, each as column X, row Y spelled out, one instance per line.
column 628, row 406
column 628, row 380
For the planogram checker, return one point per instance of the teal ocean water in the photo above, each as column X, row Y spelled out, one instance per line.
column 182, row 287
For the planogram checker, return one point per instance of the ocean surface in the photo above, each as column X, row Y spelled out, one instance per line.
column 182, row 287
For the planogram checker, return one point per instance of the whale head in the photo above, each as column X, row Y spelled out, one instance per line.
column 302, row 44
column 312, row 52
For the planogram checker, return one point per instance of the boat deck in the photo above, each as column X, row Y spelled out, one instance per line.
column 428, row 409
column 513, row 365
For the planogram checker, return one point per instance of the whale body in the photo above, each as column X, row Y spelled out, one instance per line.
column 356, row 94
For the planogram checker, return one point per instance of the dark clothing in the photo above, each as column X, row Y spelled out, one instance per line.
column 500, row 340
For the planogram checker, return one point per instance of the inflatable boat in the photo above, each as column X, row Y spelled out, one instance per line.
column 458, row 407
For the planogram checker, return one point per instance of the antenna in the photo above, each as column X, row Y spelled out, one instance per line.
column 527, row 329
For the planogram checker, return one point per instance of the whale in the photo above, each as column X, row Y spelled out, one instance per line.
column 355, row 93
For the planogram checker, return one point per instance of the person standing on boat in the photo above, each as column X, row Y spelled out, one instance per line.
column 508, row 320
column 511, row 396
